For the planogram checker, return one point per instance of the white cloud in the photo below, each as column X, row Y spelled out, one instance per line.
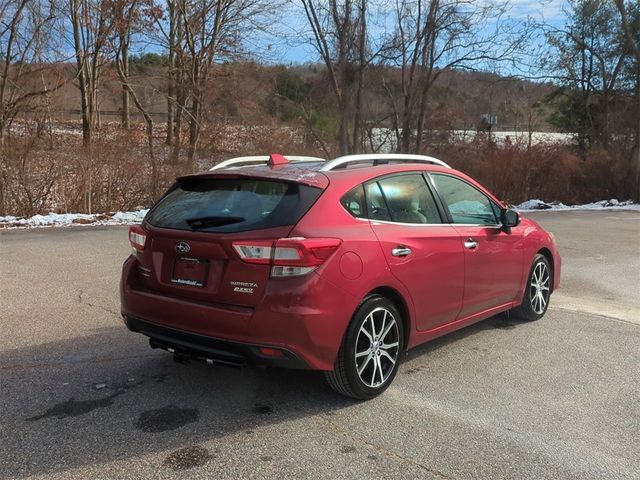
column 538, row 9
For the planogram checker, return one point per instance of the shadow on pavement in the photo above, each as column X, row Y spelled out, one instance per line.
column 86, row 400
column 107, row 397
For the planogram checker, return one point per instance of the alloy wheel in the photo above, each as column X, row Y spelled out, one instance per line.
column 539, row 288
column 377, row 347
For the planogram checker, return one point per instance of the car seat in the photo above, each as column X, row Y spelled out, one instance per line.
column 403, row 209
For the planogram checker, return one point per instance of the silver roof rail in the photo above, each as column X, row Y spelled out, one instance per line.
column 259, row 160
column 375, row 157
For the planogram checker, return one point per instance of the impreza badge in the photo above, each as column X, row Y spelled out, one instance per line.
column 243, row 287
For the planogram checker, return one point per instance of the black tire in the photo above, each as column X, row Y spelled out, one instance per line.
column 344, row 378
column 533, row 307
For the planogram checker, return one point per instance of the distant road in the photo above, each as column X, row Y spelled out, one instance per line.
column 385, row 137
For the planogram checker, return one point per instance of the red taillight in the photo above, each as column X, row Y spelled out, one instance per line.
column 305, row 252
column 288, row 256
column 137, row 237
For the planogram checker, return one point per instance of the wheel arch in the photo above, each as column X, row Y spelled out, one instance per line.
column 545, row 252
column 398, row 300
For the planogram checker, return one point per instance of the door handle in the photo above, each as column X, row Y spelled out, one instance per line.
column 401, row 251
column 471, row 244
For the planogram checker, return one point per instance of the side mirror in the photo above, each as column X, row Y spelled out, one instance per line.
column 509, row 218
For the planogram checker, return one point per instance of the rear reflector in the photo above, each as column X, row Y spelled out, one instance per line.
column 282, row 271
column 271, row 352
column 288, row 256
column 137, row 237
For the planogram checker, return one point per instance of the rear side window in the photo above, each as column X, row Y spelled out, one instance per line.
column 232, row 205
column 353, row 201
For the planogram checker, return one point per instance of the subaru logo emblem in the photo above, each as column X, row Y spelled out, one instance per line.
column 182, row 247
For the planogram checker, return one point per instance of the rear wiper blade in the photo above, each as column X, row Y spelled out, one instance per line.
column 212, row 221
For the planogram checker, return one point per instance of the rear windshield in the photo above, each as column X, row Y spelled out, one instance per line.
column 232, row 205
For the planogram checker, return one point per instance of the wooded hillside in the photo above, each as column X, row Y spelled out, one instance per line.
column 103, row 102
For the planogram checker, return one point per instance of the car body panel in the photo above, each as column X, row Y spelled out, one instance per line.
column 433, row 272
column 293, row 314
column 442, row 287
column 493, row 269
column 226, row 274
column 535, row 240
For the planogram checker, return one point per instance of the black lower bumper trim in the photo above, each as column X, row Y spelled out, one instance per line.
column 213, row 350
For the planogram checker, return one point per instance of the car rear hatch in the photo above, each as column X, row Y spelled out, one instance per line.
column 192, row 234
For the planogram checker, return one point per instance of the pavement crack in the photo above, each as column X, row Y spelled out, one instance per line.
column 94, row 305
column 389, row 453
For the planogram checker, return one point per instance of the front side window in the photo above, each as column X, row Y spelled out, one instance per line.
column 467, row 205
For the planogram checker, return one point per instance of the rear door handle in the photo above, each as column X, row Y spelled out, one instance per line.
column 471, row 244
column 401, row 251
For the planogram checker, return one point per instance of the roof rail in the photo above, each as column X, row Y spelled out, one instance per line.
column 261, row 160
column 380, row 158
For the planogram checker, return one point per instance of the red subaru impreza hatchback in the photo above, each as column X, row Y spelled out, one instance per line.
column 339, row 265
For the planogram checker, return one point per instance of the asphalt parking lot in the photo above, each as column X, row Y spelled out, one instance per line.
column 81, row 397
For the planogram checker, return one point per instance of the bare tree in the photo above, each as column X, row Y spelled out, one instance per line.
column 129, row 17
column 434, row 36
column 25, row 35
column 198, row 34
column 630, row 20
column 28, row 73
column 589, row 56
column 339, row 35
column 91, row 26
column 125, row 16
column 213, row 30
column 173, row 37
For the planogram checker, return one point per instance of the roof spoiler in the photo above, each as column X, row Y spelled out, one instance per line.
column 271, row 160
column 276, row 159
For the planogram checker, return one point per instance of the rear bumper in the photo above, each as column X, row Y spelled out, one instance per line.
column 305, row 317
column 209, row 349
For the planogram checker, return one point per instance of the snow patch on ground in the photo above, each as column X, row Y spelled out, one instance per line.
column 68, row 219
column 130, row 218
column 612, row 204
